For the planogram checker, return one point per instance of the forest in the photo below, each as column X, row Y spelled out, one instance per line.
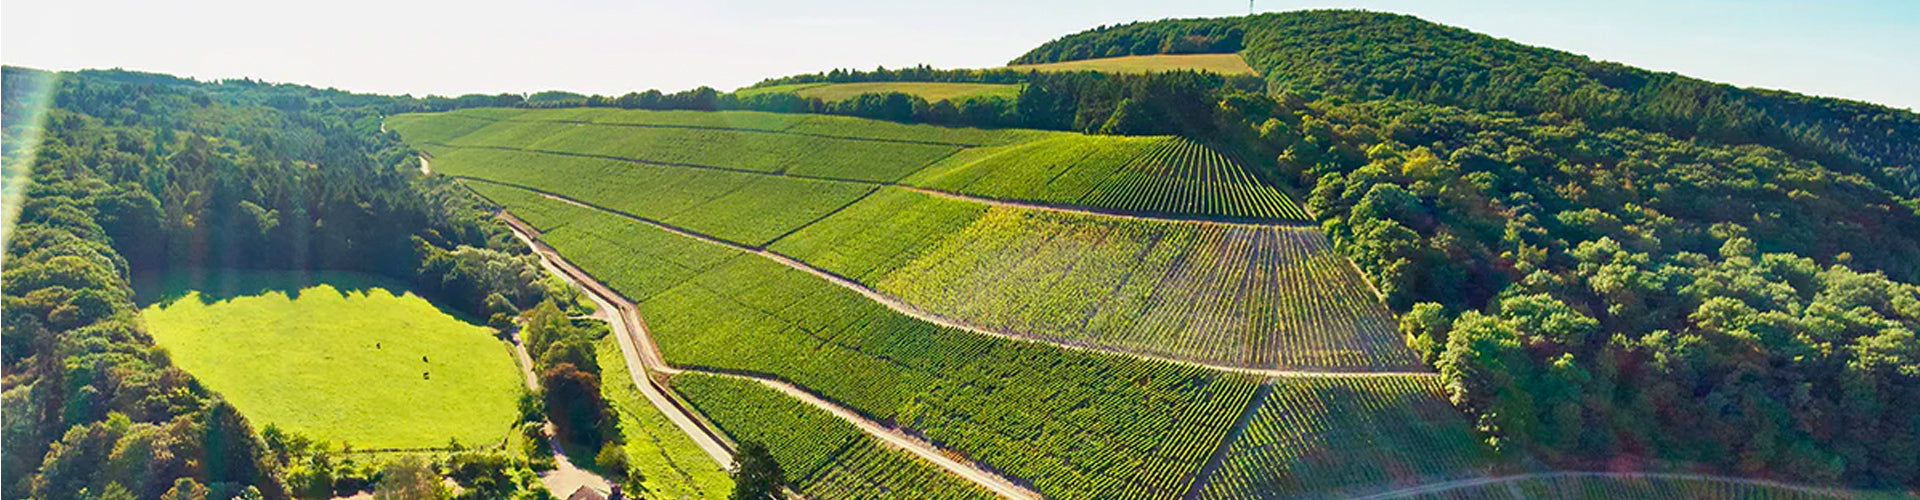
column 1607, row 265
column 138, row 174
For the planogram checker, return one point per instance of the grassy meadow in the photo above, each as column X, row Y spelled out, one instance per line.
column 338, row 356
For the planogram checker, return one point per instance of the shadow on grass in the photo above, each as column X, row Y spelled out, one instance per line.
column 211, row 286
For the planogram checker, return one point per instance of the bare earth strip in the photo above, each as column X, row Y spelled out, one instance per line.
column 637, row 344
column 928, row 316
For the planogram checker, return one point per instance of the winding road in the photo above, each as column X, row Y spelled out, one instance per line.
column 637, row 344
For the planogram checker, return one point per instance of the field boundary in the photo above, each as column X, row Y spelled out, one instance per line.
column 788, row 130
column 916, row 312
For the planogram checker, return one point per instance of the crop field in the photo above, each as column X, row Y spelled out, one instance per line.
column 1225, row 64
column 1314, row 437
column 1152, row 175
column 1588, row 487
column 748, row 208
column 1076, row 424
column 737, row 149
column 832, row 459
column 340, row 357
column 931, row 91
column 672, row 464
column 1241, row 295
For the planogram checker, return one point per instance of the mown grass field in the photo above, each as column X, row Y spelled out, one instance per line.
column 1225, row 64
column 931, row 91
column 830, row 460
column 674, row 467
column 340, row 357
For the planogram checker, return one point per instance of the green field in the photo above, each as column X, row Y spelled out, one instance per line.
column 587, row 149
column 931, row 91
column 339, row 357
column 1225, row 64
column 1147, row 175
column 832, row 459
column 1075, row 424
column 1321, row 437
column 674, row 467
column 1252, row 296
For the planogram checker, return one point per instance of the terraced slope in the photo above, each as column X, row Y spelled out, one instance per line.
column 1147, row 175
column 1234, row 295
column 1160, row 176
column 1075, row 424
column 830, row 459
column 1333, row 437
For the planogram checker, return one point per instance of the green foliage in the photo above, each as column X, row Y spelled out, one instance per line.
column 820, row 454
column 759, row 477
column 1320, row 436
column 661, row 459
column 409, row 478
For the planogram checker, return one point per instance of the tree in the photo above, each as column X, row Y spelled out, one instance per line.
column 409, row 478
column 759, row 476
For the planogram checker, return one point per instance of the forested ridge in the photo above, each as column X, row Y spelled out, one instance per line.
column 1610, row 267
column 138, row 173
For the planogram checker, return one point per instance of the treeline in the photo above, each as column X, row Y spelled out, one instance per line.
column 137, row 173
column 1366, row 55
column 1172, row 36
column 1166, row 103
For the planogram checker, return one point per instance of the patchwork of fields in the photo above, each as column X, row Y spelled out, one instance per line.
column 721, row 229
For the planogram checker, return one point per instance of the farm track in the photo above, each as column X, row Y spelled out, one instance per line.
column 916, row 312
column 1025, row 204
column 565, row 478
column 637, row 343
column 1445, row 486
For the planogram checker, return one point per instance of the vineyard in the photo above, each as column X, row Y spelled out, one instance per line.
column 1150, row 175
column 1075, row 424
column 931, row 91
column 1240, row 295
column 1316, row 436
column 1225, row 64
column 832, row 459
column 1578, row 486
column 1071, row 424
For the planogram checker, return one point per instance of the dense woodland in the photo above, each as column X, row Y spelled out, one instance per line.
column 1609, row 267
column 138, row 173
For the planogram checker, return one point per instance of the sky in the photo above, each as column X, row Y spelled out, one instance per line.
column 1858, row 49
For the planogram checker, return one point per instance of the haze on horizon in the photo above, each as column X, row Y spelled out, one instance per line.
column 1856, row 49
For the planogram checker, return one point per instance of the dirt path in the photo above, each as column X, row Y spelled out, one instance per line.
column 1432, row 488
column 637, row 348
column 565, row 478
column 908, row 309
column 637, row 344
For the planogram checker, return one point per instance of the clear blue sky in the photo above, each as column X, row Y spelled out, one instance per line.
column 1860, row 49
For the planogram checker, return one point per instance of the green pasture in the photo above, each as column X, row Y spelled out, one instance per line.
column 1225, row 64
column 343, row 357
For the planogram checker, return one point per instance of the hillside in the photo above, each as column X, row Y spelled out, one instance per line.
column 1604, row 263
column 1366, row 55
